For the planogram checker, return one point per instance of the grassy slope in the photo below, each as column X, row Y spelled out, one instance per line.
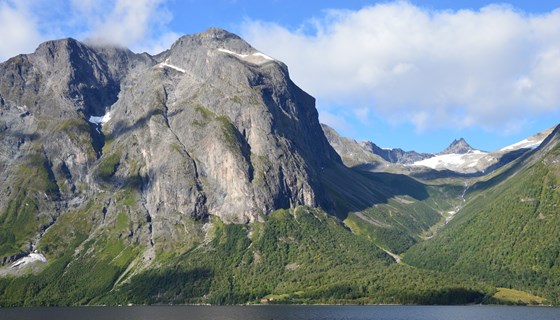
column 507, row 234
column 20, row 221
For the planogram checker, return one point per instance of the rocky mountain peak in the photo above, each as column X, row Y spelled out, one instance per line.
column 458, row 146
column 213, row 38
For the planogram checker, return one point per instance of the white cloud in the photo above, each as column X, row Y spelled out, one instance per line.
column 18, row 30
column 141, row 25
column 138, row 24
column 489, row 68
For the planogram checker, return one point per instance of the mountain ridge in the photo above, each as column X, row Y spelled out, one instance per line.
column 459, row 158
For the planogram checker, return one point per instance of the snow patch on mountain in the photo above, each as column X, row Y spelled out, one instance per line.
column 255, row 58
column 32, row 257
column 527, row 143
column 460, row 157
column 100, row 119
column 453, row 161
column 166, row 64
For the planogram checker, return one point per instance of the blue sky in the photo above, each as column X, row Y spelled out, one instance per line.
column 408, row 74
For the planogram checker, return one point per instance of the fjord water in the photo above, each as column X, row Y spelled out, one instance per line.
column 284, row 312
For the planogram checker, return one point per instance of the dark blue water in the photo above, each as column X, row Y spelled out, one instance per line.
column 285, row 313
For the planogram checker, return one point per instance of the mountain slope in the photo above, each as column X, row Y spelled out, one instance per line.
column 394, row 211
column 301, row 255
column 352, row 152
column 48, row 147
column 209, row 127
column 507, row 232
column 391, row 209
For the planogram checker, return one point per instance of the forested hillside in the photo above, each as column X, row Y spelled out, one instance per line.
column 507, row 234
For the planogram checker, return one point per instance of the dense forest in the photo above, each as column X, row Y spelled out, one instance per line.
column 296, row 256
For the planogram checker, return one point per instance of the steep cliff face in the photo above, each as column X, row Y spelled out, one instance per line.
column 219, row 129
column 209, row 127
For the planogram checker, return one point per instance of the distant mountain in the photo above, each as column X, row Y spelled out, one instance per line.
column 458, row 147
column 395, row 155
column 460, row 157
column 351, row 151
column 354, row 153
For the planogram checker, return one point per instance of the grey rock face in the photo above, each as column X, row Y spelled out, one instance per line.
column 209, row 127
column 354, row 152
column 396, row 155
column 458, row 147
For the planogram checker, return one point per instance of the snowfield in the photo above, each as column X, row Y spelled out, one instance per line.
column 453, row 161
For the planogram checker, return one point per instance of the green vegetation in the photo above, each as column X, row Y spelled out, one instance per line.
column 71, row 126
column 20, row 220
column 394, row 211
column 296, row 256
column 228, row 131
column 301, row 256
column 205, row 115
column 68, row 280
column 510, row 296
column 108, row 166
column 506, row 235
column 84, row 263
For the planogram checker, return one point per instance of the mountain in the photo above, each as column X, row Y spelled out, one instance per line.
column 202, row 175
column 458, row 159
column 351, row 151
column 395, row 155
column 458, row 147
column 201, row 129
column 198, row 175
column 506, row 233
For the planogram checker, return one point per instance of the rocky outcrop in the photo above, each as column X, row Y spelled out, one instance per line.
column 209, row 127
column 458, row 147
